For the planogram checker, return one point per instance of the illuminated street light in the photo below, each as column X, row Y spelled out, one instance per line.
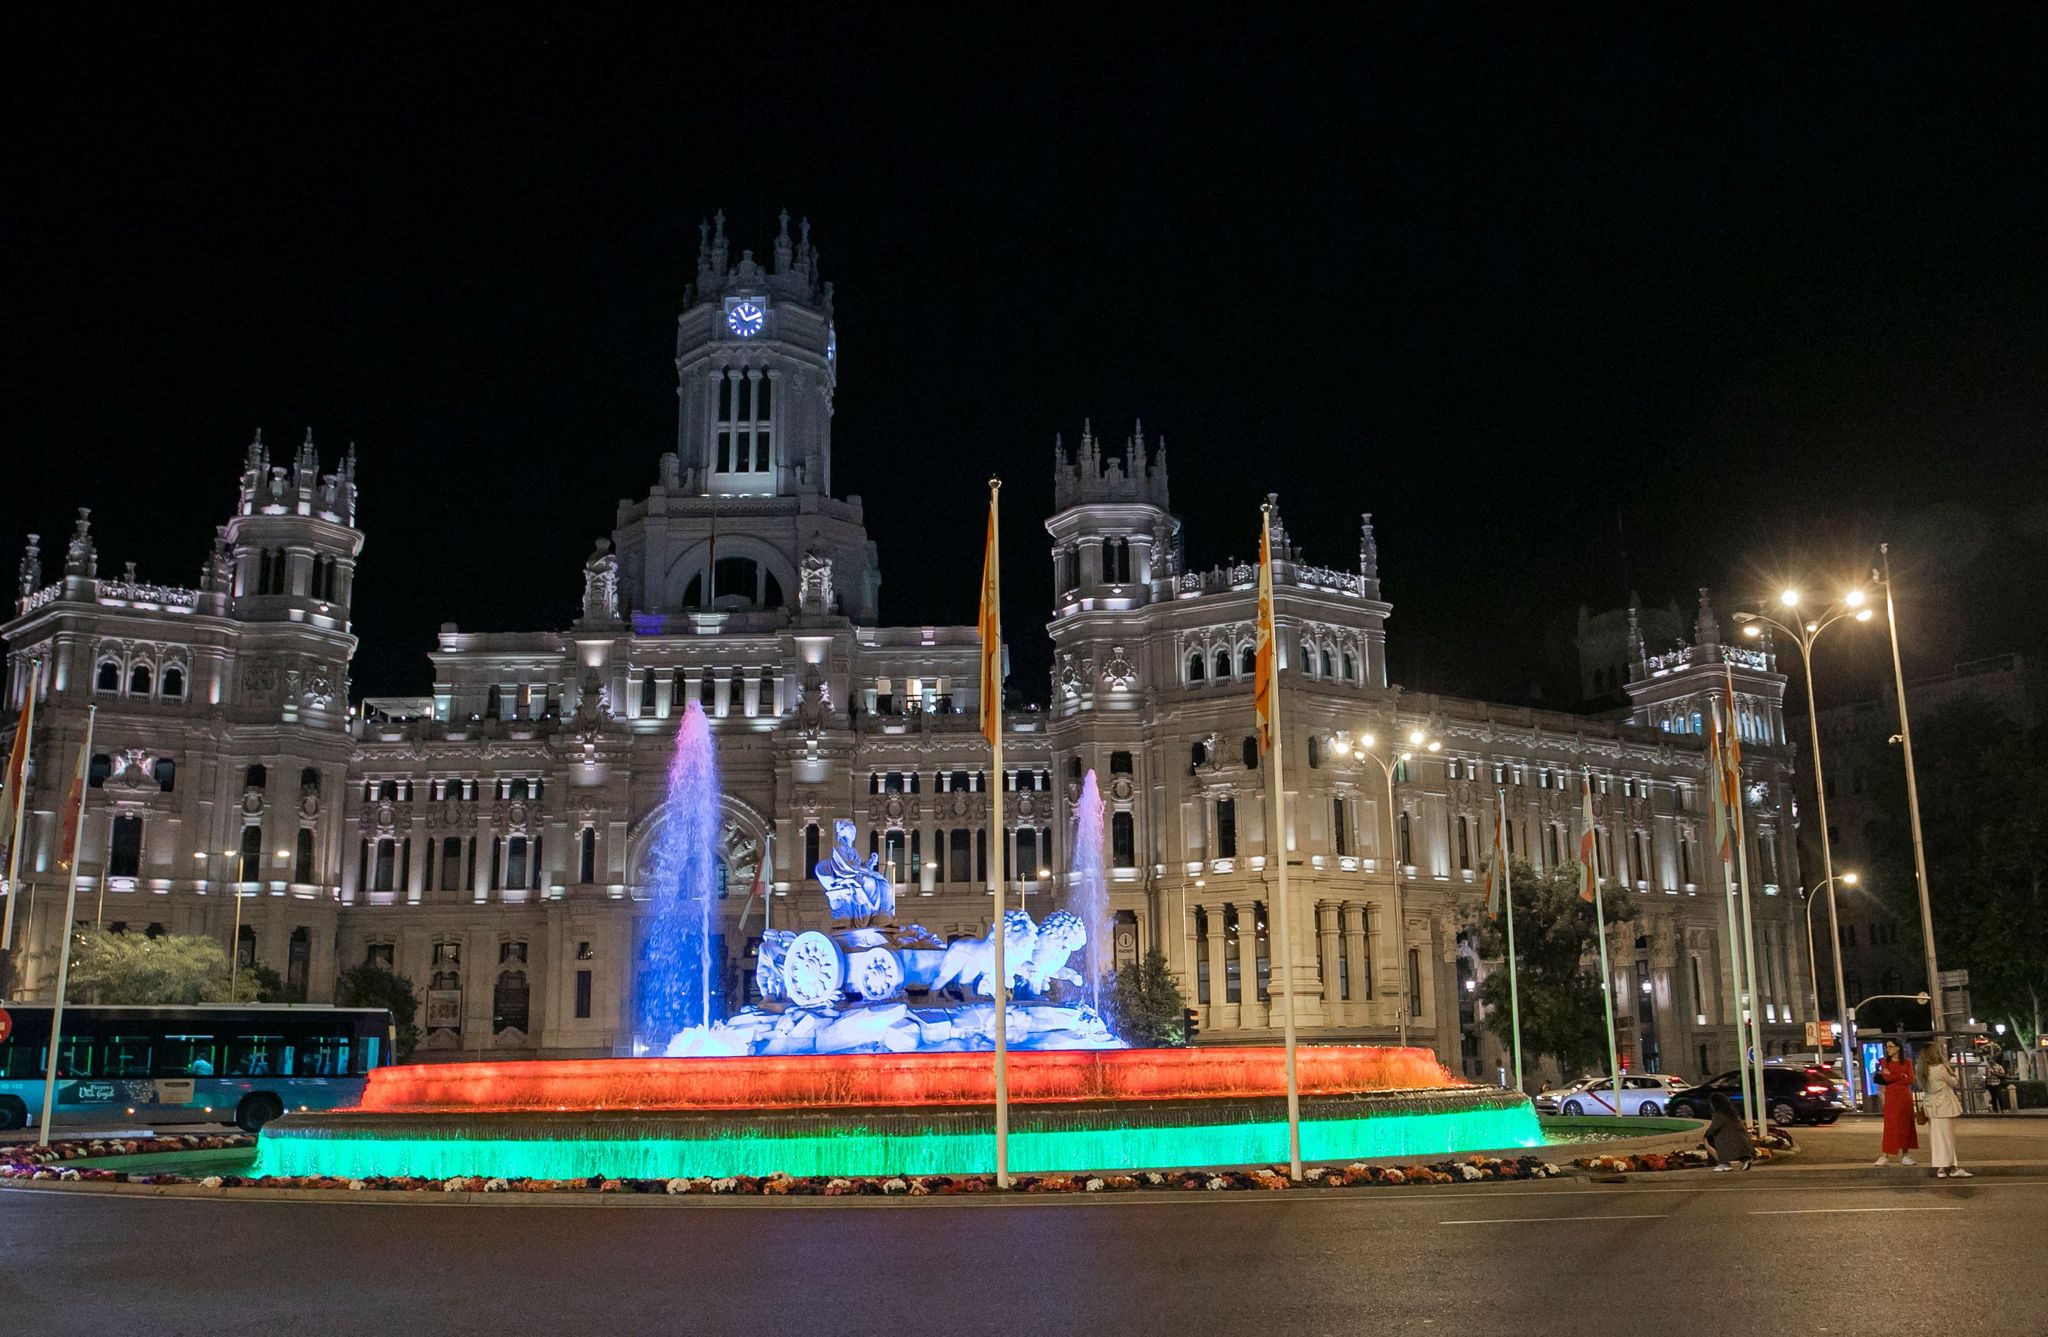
column 1368, row 747
column 1804, row 637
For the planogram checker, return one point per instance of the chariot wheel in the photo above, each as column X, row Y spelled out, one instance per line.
column 812, row 972
column 877, row 974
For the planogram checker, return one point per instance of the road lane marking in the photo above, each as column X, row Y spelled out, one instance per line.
column 1517, row 1220
column 1822, row 1211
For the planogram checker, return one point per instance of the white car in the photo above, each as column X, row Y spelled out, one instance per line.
column 1644, row 1094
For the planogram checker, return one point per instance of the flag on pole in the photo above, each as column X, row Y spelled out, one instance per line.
column 1496, row 870
column 1262, row 688
column 74, row 806
column 1589, row 845
column 1725, row 785
column 17, row 771
column 991, row 636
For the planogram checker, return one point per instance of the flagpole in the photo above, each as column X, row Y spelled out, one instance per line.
column 19, row 783
column 1725, row 820
column 1755, row 1061
column 1277, row 851
column 64, row 944
column 992, row 723
column 1600, row 922
column 1507, row 883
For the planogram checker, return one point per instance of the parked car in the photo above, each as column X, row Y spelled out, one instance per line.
column 1791, row 1095
column 1647, row 1094
column 1549, row 1102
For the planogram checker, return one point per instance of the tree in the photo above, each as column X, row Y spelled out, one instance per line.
column 134, row 968
column 1145, row 1004
column 1557, row 962
column 1983, row 785
column 374, row 986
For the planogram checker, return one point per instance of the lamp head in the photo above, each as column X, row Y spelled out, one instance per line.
column 1850, row 879
column 1405, row 756
column 1863, row 615
column 1368, row 740
column 1435, row 746
column 1752, row 630
column 1416, row 735
column 1790, row 598
column 1854, row 598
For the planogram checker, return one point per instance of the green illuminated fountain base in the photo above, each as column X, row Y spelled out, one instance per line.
column 1106, row 1136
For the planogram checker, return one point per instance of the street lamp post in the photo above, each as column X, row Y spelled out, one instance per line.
column 1368, row 746
column 1813, row 960
column 1852, row 606
column 1905, row 738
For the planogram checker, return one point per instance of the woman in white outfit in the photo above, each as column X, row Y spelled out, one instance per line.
column 1942, row 1105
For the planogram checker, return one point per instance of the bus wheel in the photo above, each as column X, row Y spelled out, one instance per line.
column 256, row 1111
column 13, row 1114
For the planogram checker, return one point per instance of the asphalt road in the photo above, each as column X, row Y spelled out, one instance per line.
column 1736, row 1253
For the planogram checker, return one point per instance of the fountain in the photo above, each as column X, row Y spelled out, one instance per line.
column 677, row 985
column 868, row 1055
column 1087, row 892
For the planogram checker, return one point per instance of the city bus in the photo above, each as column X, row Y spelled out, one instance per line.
column 210, row 1063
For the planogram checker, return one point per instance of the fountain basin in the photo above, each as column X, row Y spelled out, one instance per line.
column 892, row 1114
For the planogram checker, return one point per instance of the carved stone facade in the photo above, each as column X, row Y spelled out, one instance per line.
column 488, row 837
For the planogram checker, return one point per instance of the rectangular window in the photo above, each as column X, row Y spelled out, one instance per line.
column 1119, row 763
column 1231, row 985
column 962, row 861
column 1226, row 828
column 1123, row 839
column 1262, row 951
column 1465, row 843
column 1340, row 834
column 1414, row 983
column 582, row 995
column 586, row 855
column 124, row 848
column 386, row 870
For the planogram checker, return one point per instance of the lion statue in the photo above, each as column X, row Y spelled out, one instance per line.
column 1059, row 937
column 971, row 961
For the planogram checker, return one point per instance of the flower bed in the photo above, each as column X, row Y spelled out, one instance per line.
column 47, row 1163
column 1773, row 1145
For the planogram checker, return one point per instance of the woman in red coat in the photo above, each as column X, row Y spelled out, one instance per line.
column 1895, row 1075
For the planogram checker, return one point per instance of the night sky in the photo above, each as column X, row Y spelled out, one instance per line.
column 1624, row 299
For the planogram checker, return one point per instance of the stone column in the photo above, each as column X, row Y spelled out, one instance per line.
column 1251, row 1012
column 1327, row 949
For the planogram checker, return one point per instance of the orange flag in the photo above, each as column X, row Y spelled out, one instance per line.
column 1496, row 868
column 74, row 798
column 991, row 633
column 1262, row 688
column 1589, row 847
column 17, row 767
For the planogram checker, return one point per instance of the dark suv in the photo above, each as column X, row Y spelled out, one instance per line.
column 1791, row 1095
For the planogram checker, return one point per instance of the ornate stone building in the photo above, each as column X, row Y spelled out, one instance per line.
column 488, row 838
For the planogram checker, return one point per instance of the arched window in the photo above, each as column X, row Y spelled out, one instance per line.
column 510, row 997
column 1247, row 660
column 1308, row 658
column 1123, row 842
column 1222, row 665
column 735, row 581
column 1329, row 663
column 249, row 856
column 1350, row 667
column 174, row 684
column 166, row 773
column 1116, row 561
column 1196, row 666
column 309, row 780
column 255, row 777
column 139, row 680
column 646, row 693
column 1198, row 753
column 98, row 770
column 108, row 677
column 1251, row 753
column 1696, row 722
column 586, row 855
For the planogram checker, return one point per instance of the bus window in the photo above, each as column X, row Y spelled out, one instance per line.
column 257, row 1056
column 369, row 1053
column 324, row 1056
column 127, row 1056
column 187, row 1056
column 76, row 1058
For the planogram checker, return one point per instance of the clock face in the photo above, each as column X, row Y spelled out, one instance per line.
column 745, row 319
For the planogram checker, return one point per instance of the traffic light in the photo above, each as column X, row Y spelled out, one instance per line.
column 1190, row 1024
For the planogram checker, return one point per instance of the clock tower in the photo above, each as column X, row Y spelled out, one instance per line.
column 743, row 519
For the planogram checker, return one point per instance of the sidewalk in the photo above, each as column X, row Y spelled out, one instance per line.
column 1983, row 1140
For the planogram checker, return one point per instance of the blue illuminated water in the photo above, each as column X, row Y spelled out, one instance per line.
column 678, row 987
column 1087, row 892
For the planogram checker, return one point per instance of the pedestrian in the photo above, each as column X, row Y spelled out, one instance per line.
column 1726, row 1135
column 1942, row 1106
column 1994, row 1080
column 1895, row 1075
